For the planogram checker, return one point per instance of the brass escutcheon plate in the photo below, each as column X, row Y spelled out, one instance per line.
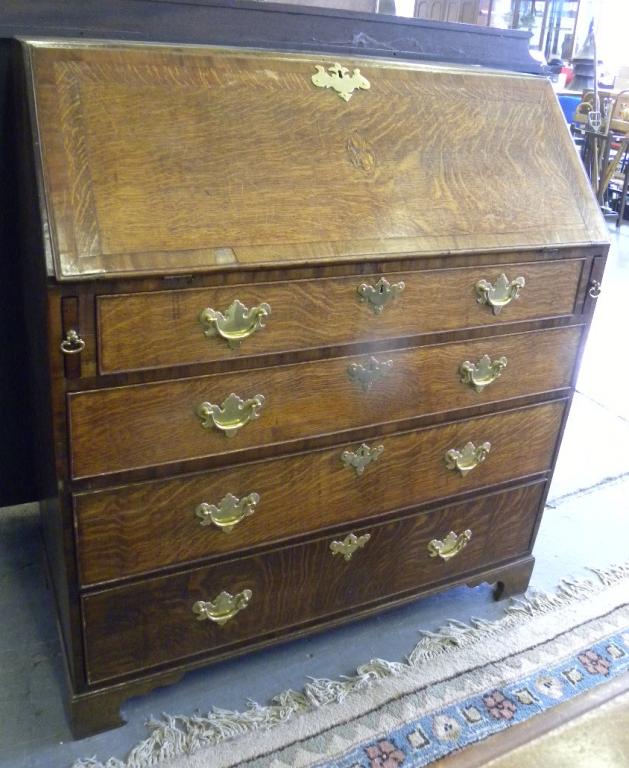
column 339, row 79
column 362, row 457
column 349, row 545
column 366, row 374
column 379, row 295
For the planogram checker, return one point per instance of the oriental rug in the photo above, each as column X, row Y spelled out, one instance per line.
column 457, row 686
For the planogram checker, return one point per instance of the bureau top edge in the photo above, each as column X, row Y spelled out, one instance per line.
column 157, row 159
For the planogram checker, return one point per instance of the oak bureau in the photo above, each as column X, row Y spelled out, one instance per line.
column 301, row 317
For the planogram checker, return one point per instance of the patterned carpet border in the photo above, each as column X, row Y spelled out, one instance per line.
column 458, row 686
column 437, row 734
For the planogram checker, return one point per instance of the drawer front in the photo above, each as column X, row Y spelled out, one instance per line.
column 152, row 330
column 140, row 528
column 153, row 424
column 136, row 627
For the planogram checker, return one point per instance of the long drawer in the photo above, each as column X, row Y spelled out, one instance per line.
column 143, row 527
column 132, row 628
column 144, row 425
column 152, row 330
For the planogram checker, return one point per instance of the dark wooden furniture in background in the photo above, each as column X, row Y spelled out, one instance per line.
column 380, row 246
column 461, row 11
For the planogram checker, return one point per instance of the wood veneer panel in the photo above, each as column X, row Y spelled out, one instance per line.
column 164, row 160
column 136, row 627
column 145, row 527
column 152, row 330
column 150, row 424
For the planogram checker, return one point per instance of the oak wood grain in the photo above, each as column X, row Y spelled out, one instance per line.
column 136, row 627
column 169, row 159
column 152, row 330
column 144, row 527
column 139, row 426
column 170, row 175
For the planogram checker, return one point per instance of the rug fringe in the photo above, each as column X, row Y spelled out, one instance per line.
column 175, row 736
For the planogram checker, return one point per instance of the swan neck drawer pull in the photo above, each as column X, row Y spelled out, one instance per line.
column 232, row 415
column 380, row 294
column 223, row 608
column 237, row 324
column 500, row 294
column 229, row 512
column 349, row 545
column 483, row 373
column 373, row 370
column 468, row 458
column 450, row 546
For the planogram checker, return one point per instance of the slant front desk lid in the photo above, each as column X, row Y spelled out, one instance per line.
column 169, row 159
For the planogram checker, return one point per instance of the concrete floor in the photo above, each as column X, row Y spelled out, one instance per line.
column 585, row 525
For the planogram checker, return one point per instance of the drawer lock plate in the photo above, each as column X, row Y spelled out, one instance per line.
column 362, row 457
column 380, row 294
column 349, row 545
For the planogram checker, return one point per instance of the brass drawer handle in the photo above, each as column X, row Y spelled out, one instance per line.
column 229, row 512
column 361, row 458
column 223, row 608
column 339, row 78
column 72, row 344
column 483, row 373
column 594, row 290
column 365, row 375
column 450, row 546
column 500, row 294
column 467, row 459
column 232, row 415
column 349, row 545
column 237, row 324
column 380, row 294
